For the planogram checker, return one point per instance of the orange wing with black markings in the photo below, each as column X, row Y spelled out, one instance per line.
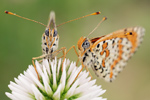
column 112, row 51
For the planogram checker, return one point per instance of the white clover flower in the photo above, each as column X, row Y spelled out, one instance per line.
column 54, row 84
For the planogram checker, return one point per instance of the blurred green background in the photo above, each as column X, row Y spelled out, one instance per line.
column 20, row 40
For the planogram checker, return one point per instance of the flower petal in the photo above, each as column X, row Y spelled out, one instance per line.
column 54, row 83
column 56, row 95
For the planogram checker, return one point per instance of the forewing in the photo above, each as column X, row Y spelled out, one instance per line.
column 114, row 50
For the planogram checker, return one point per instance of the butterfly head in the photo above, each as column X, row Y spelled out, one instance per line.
column 51, row 30
column 51, row 34
column 83, row 44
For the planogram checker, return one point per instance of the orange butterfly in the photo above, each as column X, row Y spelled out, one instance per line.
column 107, row 55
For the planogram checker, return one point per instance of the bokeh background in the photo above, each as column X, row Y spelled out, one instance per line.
column 20, row 40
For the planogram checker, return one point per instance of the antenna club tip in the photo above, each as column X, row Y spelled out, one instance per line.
column 6, row 12
column 104, row 18
column 96, row 13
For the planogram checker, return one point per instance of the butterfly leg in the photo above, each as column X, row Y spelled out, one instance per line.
column 70, row 49
column 64, row 54
column 81, row 70
column 89, row 72
column 63, row 49
column 75, row 52
column 77, row 62
column 57, row 52
column 35, row 58
column 78, row 73
column 40, row 61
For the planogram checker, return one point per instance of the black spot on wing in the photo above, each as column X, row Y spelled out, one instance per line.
column 98, row 45
column 44, row 37
column 102, row 69
column 86, row 54
column 110, row 80
column 97, row 50
column 46, row 49
column 95, row 67
column 52, row 50
column 128, row 48
column 104, row 75
column 54, row 44
column 113, row 41
column 93, row 55
column 84, row 59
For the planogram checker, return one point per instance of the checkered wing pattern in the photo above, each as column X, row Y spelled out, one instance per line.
column 114, row 50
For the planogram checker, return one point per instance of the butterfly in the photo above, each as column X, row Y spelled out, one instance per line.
column 107, row 55
column 50, row 40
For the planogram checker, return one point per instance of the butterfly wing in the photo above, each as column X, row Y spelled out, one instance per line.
column 114, row 50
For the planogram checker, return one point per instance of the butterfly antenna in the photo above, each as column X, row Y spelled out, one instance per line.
column 10, row 13
column 96, row 13
column 97, row 26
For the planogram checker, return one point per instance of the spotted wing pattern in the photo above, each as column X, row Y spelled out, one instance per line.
column 114, row 50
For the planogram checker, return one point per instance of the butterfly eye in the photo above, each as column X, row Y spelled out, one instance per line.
column 86, row 44
column 55, row 33
column 47, row 32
